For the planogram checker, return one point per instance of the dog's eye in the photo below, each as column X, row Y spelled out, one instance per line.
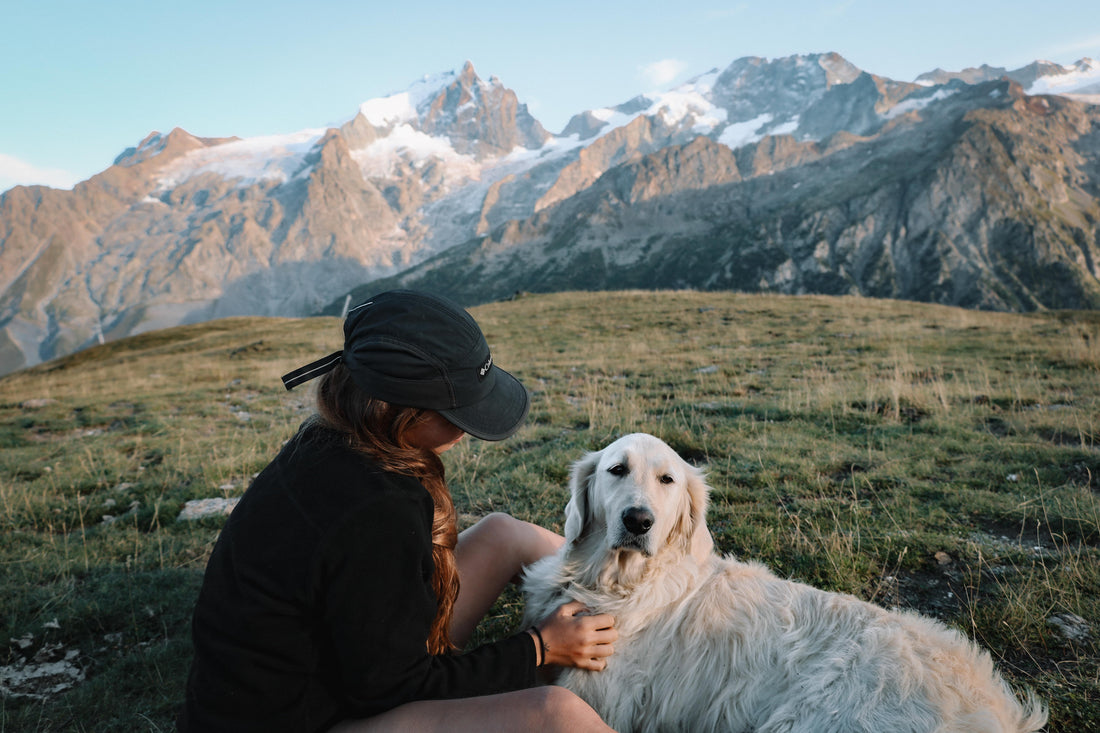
column 666, row 478
column 617, row 470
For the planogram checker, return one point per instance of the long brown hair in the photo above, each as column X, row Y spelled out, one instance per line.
column 380, row 430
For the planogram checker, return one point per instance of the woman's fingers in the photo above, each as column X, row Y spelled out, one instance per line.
column 600, row 650
column 575, row 637
column 573, row 608
column 602, row 623
column 607, row 636
column 592, row 665
column 595, row 657
column 578, row 610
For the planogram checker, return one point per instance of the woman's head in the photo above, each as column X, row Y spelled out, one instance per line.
column 419, row 350
column 374, row 423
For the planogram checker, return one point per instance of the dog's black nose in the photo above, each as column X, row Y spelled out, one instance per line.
column 637, row 520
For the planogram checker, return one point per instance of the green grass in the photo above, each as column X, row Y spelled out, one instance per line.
column 917, row 456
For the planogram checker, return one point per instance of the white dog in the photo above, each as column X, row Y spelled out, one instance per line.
column 712, row 644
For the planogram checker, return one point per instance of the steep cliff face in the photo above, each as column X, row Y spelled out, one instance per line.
column 640, row 136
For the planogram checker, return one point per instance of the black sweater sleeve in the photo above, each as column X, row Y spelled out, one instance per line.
column 374, row 578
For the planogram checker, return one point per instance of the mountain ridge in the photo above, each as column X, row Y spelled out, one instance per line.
column 182, row 229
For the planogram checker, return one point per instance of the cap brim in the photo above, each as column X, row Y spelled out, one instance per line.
column 498, row 415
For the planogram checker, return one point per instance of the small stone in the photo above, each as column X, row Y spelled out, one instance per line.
column 202, row 508
column 1071, row 627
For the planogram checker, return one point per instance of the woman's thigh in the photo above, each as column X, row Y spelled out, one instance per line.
column 489, row 555
column 548, row 709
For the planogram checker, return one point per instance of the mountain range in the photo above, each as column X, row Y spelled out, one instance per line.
column 803, row 174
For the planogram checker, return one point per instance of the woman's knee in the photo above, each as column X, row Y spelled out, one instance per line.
column 499, row 524
column 561, row 705
column 497, row 533
column 505, row 540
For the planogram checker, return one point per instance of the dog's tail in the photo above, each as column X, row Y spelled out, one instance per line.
column 1009, row 714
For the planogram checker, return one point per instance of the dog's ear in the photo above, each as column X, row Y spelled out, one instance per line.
column 691, row 529
column 577, row 514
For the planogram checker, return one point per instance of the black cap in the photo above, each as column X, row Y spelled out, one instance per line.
column 419, row 350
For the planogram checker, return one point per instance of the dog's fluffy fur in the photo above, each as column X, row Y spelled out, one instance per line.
column 708, row 643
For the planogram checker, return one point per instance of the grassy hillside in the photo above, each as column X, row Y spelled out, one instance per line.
column 914, row 455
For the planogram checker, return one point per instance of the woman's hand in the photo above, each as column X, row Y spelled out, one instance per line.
column 574, row 638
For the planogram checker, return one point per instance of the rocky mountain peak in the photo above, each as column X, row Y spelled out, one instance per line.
column 826, row 69
column 473, row 117
column 176, row 143
column 838, row 70
column 791, row 83
column 480, row 118
column 970, row 75
column 468, row 75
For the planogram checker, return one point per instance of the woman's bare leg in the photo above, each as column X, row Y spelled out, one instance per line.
column 489, row 555
column 548, row 709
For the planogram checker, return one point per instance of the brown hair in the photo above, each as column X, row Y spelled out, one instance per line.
column 380, row 430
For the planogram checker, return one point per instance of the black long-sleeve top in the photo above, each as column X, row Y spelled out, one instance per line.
column 317, row 602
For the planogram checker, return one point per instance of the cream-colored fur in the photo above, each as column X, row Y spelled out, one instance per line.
column 708, row 643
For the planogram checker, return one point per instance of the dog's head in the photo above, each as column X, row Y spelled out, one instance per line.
column 634, row 500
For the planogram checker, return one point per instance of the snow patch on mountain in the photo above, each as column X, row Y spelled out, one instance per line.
column 407, row 145
column 449, row 213
column 522, row 158
column 403, row 106
column 265, row 158
column 744, row 133
column 613, row 118
column 689, row 101
column 1080, row 80
column 680, row 104
column 393, row 109
column 915, row 104
column 785, row 128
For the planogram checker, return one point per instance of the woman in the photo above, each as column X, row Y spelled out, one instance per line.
column 339, row 592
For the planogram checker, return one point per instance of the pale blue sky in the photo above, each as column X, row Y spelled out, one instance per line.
column 84, row 80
